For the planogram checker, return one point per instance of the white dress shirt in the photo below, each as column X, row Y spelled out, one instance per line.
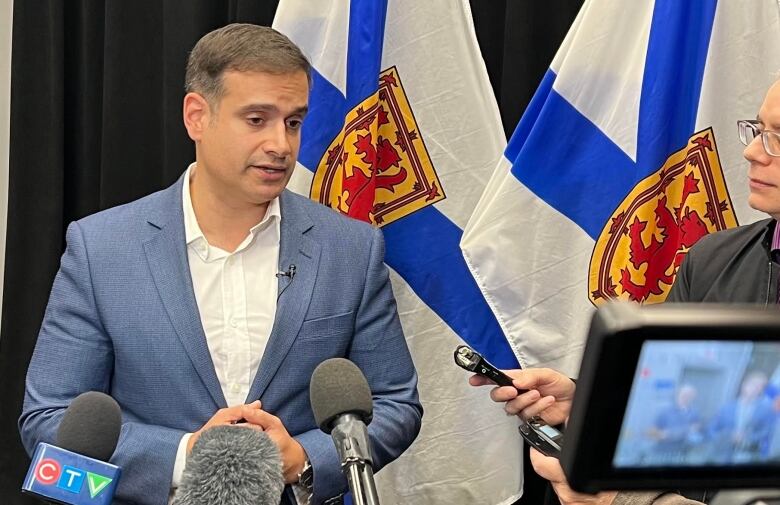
column 236, row 294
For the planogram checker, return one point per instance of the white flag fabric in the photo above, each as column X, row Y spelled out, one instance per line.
column 627, row 154
column 404, row 132
column 6, row 17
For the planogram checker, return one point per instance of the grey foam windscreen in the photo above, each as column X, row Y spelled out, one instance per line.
column 235, row 465
column 91, row 426
column 339, row 387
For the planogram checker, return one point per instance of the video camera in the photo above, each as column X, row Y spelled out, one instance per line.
column 677, row 397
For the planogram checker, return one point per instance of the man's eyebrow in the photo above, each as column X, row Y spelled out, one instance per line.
column 269, row 107
column 775, row 127
column 258, row 107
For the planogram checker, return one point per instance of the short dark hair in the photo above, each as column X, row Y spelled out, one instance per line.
column 240, row 47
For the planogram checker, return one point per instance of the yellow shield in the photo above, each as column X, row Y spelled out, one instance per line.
column 377, row 169
column 641, row 246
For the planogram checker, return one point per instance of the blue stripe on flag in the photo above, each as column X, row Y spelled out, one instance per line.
column 424, row 248
column 674, row 70
column 364, row 58
column 531, row 114
column 324, row 121
column 568, row 162
column 327, row 105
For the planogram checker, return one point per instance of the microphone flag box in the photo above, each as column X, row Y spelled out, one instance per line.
column 63, row 476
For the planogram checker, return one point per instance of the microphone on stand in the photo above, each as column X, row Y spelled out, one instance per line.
column 74, row 471
column 235, row 465
column 342, row 405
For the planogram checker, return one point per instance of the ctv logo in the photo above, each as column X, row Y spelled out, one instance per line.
column 49, row 471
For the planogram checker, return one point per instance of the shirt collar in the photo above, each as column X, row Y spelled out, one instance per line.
column 775, row 239
column 192, row 231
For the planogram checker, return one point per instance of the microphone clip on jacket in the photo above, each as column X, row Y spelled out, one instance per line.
column 290, row 272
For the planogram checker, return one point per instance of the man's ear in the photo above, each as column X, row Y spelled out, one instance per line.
column 197, row 114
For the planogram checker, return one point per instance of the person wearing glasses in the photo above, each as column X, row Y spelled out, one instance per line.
column 742, row 265
column 739, row 265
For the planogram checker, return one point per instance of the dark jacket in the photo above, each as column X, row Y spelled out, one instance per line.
column 730, row 266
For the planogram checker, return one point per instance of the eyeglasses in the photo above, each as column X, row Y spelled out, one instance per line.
column 750, row 129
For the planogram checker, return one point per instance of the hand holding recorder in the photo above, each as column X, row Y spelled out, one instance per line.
column 541, row 398
column 533, row 392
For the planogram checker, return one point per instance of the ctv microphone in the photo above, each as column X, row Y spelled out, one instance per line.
column 342, row 405
column 236, row 465
column 74, row 471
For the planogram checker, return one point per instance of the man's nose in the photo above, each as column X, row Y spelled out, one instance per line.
column 278, row 141
column 755, row 151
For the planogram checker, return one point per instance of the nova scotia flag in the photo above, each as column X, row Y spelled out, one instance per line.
column 403, row 131
column 625, row 157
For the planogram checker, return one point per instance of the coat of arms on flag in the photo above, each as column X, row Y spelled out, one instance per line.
column 403, row 131
column 637, row 253
column 377, row 169
column 614, row 172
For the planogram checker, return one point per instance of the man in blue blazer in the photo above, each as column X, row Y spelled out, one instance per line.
column 741, row 431
column 172, row 304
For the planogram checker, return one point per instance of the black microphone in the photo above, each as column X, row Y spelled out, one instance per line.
column 342, row 405
column 290, row 272
column 75, row 470
column 91, row 426
column 234, row 465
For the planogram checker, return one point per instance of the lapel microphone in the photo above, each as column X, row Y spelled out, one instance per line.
column 290, row 272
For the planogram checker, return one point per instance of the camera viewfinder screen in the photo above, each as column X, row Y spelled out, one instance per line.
column 700, row 403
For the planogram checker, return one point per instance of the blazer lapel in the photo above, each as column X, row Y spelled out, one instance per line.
column 166, row 252
column 295, row 291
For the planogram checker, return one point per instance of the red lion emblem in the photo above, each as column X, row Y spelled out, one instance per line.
column 640, row 248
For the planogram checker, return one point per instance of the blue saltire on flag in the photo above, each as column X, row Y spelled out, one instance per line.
column 598, row 170
column 592, row 175
column 423, row 248
column 408, row 78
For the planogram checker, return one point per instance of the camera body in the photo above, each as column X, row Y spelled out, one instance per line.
column 677, row 397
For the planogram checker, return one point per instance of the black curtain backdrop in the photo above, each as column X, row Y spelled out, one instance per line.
column 96, row 91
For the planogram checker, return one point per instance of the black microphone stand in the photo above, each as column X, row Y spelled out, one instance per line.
column 351, row 438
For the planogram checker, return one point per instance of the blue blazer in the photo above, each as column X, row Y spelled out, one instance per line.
column 122, row 319
column 758, row 429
